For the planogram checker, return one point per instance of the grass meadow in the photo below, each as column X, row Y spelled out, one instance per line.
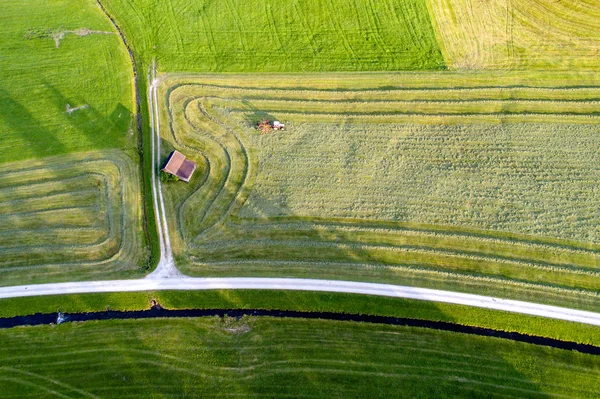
column 297, row 36
column 277, row 358
column 466, row 181
column 278, row 36
column 366, row 184
column 308, row 302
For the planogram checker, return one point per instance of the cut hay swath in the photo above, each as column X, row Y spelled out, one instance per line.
column 366, row 184
column 517, row 34
column 69, row 218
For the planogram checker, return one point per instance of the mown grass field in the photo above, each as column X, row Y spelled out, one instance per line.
column 508, row 34
column 70, row 198
column 367, row 184
column 282, row 35
column 70, row 218
column 278, row 358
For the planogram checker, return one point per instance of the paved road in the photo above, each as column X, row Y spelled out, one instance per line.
column 189, row 283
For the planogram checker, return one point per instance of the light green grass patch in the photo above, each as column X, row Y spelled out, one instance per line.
column 55, row 55
column 282, row 35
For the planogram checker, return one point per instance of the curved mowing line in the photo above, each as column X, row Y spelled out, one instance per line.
column 221, row 179
column 540, row 261
column 441, row 262
column 423, row 101
column 565, row 26
column 437, row 231
column 208, row 172
column 387, row 89
column 225, row 179
column 246, row 166
column 592, row 116
column 383, row 97
column 383, row 101
column 31, row 200
column 236, row 196
column 303, row 95
column 159, row 312
column 206, row 113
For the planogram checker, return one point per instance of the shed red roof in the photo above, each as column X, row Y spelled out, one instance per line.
column 179, row 166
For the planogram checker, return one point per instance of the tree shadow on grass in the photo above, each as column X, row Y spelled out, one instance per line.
column 37, row 139
column 100, row 130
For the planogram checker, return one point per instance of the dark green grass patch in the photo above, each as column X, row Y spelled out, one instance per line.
column 288, row 35
column 279, row 358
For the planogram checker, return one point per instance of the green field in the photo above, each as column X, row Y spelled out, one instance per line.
column 279, row 35
column 290, row 35
column 482, row 178
column 306, row 301
column 70, row 198
column 367, row 184
column 279, row 358
column 65, row 54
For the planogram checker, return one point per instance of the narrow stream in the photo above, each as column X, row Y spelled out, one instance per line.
column 157, row 311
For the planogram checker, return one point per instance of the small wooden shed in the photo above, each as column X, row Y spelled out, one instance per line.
column 178, row 165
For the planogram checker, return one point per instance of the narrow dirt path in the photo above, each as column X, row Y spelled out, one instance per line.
column 166, row 265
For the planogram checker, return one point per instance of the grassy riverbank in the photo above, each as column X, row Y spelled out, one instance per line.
column 306, row 301
column 276, row 358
